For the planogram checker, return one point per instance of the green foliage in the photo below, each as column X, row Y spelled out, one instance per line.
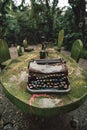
column 70, row 38
column 67, row 22
column 74, row 3
column 19, row 50
column 42, row 19
column 13, row 28
column 5, row 9
column 4, row 51
column 76, row 50
column 79, row 10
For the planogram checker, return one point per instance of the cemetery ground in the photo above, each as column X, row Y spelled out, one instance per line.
column 12, row 118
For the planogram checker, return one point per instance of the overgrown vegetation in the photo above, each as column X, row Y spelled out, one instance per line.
column 42, row 21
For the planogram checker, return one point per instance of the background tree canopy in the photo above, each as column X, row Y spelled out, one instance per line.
column 41, row 21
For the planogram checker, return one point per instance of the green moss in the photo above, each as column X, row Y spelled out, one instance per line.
column 14, row 80
column 76, row 50
column 4, row 51
column 25, row 44
column 60, row 39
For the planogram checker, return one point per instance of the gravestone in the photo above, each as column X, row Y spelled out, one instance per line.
column 4, row 51
column 19, row 50
column 13, row 52
column 26, row 47
column 25, row 44
column 60, row 39
column 76, row 50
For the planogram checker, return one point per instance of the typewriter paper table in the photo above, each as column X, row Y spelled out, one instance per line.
column 14, row 82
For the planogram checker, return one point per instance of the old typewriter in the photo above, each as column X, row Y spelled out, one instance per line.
column 48, row 76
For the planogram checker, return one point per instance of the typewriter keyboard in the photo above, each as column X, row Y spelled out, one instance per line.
column 50, row 81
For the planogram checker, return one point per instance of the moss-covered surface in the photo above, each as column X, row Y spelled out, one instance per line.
column 60, row 39
column 14, row 81
column 4, row 51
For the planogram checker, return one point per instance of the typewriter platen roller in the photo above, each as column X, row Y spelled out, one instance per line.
column 48, row 76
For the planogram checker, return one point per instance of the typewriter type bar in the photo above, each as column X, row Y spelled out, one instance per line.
column 49, row 61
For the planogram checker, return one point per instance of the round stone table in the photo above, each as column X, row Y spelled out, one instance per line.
column 14, row 81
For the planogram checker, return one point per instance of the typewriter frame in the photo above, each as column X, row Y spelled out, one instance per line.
column 48, row 90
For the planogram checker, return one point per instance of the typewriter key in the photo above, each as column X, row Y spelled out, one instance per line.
column 55, row 86
column 50, row 86
column 66, row 86
column 31, row 86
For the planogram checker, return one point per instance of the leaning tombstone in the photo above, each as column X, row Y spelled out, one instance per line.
column 76, row 50
column 13, row 52
column 4, row 51
column 19, row 50
column 60, row 39
column 25, row 44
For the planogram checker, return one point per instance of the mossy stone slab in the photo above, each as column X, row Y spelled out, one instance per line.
column 14, row 81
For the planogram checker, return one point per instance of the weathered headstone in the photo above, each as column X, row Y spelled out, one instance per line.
column 76, row 50
column 26, row 47
column 13, row 52
column 4, row 51
column 25, row 44
column 19, row 50
column 60, row 39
